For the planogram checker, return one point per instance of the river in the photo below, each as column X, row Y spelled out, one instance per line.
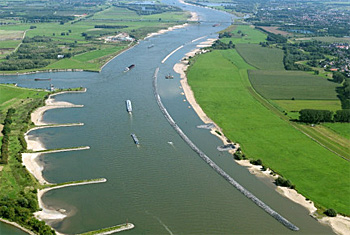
column 162, row 188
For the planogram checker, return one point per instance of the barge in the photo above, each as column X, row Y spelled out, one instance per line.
column 136, row 140
column 42, row 79
column 129, row 67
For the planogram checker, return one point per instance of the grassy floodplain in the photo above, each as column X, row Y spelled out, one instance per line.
column 83, row 40
column 221, row 86
column 244, row 34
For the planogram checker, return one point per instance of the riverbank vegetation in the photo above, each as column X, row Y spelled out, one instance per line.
column 222, row 87
column 75, row 35
column 18, row 199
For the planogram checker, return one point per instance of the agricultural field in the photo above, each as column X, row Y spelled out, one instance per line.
column 287, row 85
column 244, row 34
column 221, row 86
column 263, row 58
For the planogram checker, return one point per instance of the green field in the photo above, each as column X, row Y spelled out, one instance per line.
column 221, row 86
column 292, row 84
column 250, row 35
column 263, row 58
column 12, row 96
column 342, row 129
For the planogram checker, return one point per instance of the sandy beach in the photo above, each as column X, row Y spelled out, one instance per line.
column 339, row 224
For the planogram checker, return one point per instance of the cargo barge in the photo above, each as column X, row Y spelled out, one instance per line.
column 42, row 79
column 136, row 140
column 129, row 67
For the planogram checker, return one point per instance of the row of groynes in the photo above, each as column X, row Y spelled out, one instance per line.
column 212, row 164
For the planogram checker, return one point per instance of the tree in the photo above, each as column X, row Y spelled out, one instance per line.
column 315, row 116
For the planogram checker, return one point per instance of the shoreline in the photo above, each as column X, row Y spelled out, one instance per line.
column 17, row 226
column 339, row 224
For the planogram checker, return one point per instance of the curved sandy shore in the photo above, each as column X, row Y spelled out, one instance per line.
column 51, row 214
column 50, row 103
column 339, row 224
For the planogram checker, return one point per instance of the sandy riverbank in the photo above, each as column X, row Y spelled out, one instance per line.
column 339, row 224
column 194, row 17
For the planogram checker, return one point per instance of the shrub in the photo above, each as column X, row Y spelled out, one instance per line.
column 256, row 162
column 280, row 181
column 330, row 212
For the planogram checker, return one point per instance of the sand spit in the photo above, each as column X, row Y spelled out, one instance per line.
column 50, row 103
column 339, row 224
column 51, row 214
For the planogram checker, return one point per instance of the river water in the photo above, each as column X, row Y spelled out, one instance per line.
column 162, row 188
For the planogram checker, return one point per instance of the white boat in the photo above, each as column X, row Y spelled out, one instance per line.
column 128, row 106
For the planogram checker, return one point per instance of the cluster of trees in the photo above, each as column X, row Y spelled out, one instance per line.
column 276, row 38
column 111, row 26
column 292, row 54
column 280, row 181
column 344, row 94
column 222, row 46
column 225, row 35
column 35, row 52
column 314, row 116
column 21, row 209
column 6, row 136
column 149, row 9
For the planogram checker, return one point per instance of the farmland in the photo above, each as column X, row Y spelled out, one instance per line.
column 292, row 84
column 80, row 39
column 244, row 34
column 221, row 86
column 263, row 58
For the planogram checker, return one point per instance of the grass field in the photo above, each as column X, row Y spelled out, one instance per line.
column 221, row 87
column 250, row 35
column 263, row 58
column 12, row 96
column 292, row 84
column 342, row 129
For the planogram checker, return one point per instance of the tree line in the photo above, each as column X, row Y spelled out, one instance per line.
column 315, row 116
column 6, row 136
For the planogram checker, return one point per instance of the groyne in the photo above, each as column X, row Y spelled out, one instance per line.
column 213, row 165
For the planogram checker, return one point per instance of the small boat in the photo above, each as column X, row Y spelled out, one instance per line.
column 216, row 25
column 129, row 67
column 150, row 46
column 133, row 136
column 128, row 106
column 169, row 76
column 42, row 79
